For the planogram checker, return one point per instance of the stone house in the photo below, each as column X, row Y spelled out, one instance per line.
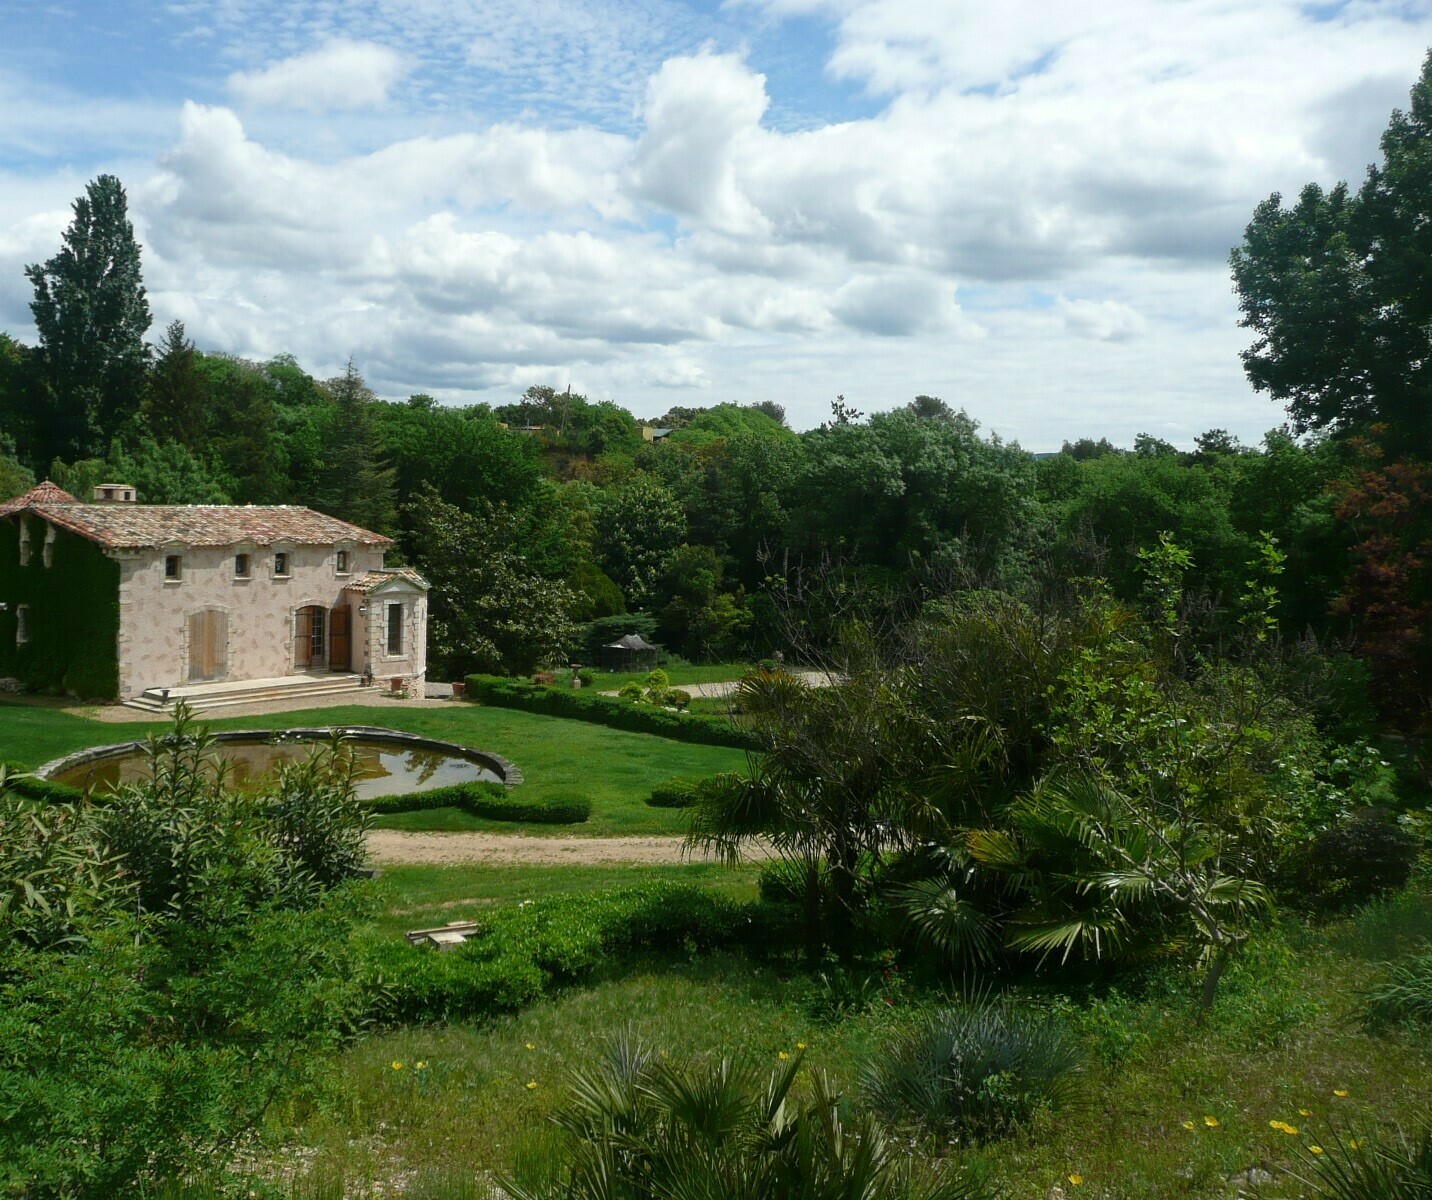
column 121, row 600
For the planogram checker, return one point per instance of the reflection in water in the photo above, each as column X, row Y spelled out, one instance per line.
column 384, row 768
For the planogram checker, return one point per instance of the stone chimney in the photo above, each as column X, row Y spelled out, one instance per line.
column 115, row 493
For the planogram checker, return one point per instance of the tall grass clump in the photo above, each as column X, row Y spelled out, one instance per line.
column 1405, row 995
column 977, row 1069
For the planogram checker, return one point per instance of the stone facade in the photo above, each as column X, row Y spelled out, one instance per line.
column 226, row 594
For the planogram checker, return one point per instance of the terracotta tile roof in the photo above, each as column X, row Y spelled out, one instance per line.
column 370, row 581
column 42, row 493
column 143, row 526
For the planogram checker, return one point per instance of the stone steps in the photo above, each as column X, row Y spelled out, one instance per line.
column 218, row 696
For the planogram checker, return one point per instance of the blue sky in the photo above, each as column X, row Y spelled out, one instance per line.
column 1025, row 208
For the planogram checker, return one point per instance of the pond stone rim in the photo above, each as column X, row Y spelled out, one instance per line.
column 511, row 773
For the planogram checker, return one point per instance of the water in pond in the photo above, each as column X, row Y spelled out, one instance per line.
column 384, row 768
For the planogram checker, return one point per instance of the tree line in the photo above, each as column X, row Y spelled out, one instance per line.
column 555, row 514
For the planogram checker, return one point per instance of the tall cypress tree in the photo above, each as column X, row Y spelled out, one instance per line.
column 92, row 313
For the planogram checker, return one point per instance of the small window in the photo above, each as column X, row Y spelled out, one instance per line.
column 22, row 624
column 24, row 542
column 47, row 551
column 395, row 629
column 341, row 562
column 173, row 567
column 241, row 566
column 280, row 564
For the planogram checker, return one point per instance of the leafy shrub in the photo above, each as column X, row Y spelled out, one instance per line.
column 678, row 793
column 484, row 798
column 1362, row 856
column 631, row 691
column 182, row 946
column 1405, row 995
column 523, row 951
column 642, row 1127
column 978, row 1069
column 657, row 680
column 679, row 699
column 587, row 677
column 606, row 710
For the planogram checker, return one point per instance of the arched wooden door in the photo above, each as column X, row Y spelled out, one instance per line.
column 310, row 637
column 208, row 645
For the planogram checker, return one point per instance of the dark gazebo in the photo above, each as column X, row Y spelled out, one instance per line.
column 630, row 653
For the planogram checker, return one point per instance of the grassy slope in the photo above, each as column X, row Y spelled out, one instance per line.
column 420, row 897
column 1284, row 1037
column 559, row 758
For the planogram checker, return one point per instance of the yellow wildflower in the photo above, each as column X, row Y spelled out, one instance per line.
column 1212, row 1122
column 1343, row 1093
column 800, row 1046
column 1290, row 1129
column 530, row 1046
column 1188, row 1124
column 1356, row 1143
column 1305, row 1112
column 783, row 1056
column 1076, row 1179
column 1316, row 1149
column 397, row 1066
column 531, row 1085
column 1281, row 1126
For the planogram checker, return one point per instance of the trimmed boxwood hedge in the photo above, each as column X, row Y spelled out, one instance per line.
column 34, row 788
column 482, row 798
column 485, row 798
column 606, row 710
column 683, row 793
column 522, row 952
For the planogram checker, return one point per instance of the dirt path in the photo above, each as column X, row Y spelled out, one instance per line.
column 392, row 846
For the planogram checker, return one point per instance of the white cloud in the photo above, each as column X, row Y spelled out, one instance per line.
column 339, row 75
column 1102, row 320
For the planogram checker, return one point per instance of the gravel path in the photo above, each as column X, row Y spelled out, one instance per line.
column 391, row 846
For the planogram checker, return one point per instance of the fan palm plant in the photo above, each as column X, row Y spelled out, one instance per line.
column 642, row 1128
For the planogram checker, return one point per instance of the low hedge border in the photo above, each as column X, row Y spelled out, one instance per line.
column 683, row 793
column 485, row 798
column 32, row 787
column 582, row 705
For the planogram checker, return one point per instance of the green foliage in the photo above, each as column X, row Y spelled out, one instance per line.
column 639, row 527
column 168, row 963
column 73, row 614
column 646, row 1129
column 354, row 484
column 91, row 312
column 1361, row 854
column 1405, row 994
column 486, row 799
column 164, row 474
column 980, row 1070
column 1397, row 1167
column 176, row 396
column 1334, row 294
column 521, row 952
column 488, row 609
column 605, row 710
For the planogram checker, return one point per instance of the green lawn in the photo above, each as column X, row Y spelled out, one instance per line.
column 559, row 759
column 607, row 681
column 419, row 897
column 1284, row 1039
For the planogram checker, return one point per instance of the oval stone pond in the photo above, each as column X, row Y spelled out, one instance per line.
column 390, row 762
